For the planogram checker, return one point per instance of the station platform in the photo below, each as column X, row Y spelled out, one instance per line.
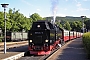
column 72, row 50
column 13, row 52
column 10, row 55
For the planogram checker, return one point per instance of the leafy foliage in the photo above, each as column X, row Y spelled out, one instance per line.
column 86, row 43
column 67, row 26
column 69, row 19
column 16, row 21
column 79, row 26
column 58, row 23
column 73, row 25
column 87, row 22
column 35, row 17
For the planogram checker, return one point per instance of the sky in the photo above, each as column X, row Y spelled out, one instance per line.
column 63, row 8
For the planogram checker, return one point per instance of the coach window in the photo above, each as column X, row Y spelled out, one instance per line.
column 65, row 33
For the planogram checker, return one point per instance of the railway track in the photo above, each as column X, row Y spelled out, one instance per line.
column 33, row 57
column 45, row 57
column 13, row 44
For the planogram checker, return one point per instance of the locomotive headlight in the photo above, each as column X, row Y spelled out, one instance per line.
column 31, row 34
column 30, row 40
column 46, row 40
column 50, row 41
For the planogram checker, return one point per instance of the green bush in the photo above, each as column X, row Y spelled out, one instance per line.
column 0, row 40
column 86, row 43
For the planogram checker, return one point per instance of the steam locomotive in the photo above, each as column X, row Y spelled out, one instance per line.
column 44, row 37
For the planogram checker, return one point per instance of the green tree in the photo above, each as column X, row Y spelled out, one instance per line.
column 58, row 23
column 87, row 24
column 67, row 26
column 17, row 21
column 73, row 26
column 35, row 17
column 2, row 20
column 79, row 25
column 14, row 17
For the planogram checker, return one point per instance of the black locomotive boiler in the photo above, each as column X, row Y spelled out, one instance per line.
column 43, row 37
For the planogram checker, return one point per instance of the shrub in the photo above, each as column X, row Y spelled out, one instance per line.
column 86, row 42
column 0, row 40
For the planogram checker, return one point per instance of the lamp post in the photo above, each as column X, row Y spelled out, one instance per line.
column 83, row 17
column 4, row 6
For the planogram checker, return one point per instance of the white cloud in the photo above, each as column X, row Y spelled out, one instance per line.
column 81, row 9
column 65, row 9
column 38, row 10
column 85, row 0
column 66, row 0
column 73, row 11
column 88, row 16
column 76, row 1
column 62, row 15
column 24, row 1
column 78, row 4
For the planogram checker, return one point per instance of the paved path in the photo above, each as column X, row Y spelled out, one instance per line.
column 73, row 50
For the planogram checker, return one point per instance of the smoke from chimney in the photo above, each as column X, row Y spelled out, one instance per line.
column 54, row 9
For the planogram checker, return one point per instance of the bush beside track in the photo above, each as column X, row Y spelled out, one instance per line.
column 1, row 38
column 86, row 43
